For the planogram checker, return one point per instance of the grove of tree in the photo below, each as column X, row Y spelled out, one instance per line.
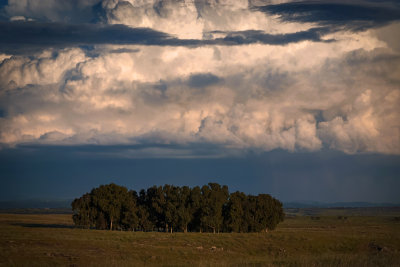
column 169, row 208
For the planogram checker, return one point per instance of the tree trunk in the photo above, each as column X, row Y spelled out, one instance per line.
column 185, row 230
column 111, row 223
column 171, row 229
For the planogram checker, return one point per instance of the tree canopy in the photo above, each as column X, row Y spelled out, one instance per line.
column 169, row 208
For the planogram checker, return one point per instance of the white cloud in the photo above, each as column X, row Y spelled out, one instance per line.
column 194, row 19
column 47, row 68
column 261, row 103
column 4, row 57
column 388, row 35
column 51, row 10
column 17, row 18
column 302, row 96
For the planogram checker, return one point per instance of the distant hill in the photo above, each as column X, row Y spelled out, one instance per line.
column 66, row 204
column 37, row 204
column 314, row 204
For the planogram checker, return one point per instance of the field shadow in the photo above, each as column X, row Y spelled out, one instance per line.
column 44, row 225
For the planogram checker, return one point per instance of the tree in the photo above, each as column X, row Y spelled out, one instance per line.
column 109, row 199
column 265, row 213
column 156, row 205
column 195, row 202
column 270, row 211
column 129, row 217
column 234, row 213
column 84, row 213
column 170, row 206
column 213, row 199
column 173, row 208
column 184, row 209
column 144, row 221
column 253, row 214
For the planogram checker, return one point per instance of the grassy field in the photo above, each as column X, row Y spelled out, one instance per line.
column 324, row 239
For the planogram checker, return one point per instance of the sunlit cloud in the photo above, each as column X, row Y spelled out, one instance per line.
column 229, row 76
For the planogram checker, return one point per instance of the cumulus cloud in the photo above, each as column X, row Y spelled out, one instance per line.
column 30, row 37
column 76, row 11
column 355, row 15
column 146, row 99
column 200, row 80
column 193, row 19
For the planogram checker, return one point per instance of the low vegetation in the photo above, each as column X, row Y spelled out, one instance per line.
column 172, row 208
column 53, row 240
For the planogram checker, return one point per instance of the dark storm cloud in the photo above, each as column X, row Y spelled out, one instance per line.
column 76, row 11
column 124, row 50
column 203, row 80
column 17, row 36
column 253, row 36
column 143, row 148
column 70, row 171
column 3, row 3
column 353, row 15
column 27, row 37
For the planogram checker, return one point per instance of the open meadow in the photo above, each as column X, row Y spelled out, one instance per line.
column 325, row 237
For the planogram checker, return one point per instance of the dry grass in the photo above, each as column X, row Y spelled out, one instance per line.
column 48, row 240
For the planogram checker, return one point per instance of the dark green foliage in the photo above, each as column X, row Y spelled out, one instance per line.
column 156, row 203
column 195, row 208
column 172, row 208
column 84, row 211
column 184, row 208
column 234, row 213
column 143, row 212
column 213, row 199
column 116, row 204
column 129, row 217
column 108, row 206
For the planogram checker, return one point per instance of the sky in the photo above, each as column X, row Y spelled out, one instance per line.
column 297, row 99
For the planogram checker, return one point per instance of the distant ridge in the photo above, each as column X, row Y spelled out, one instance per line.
column 37, row 204
column 314, row 204
column 66, row 204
